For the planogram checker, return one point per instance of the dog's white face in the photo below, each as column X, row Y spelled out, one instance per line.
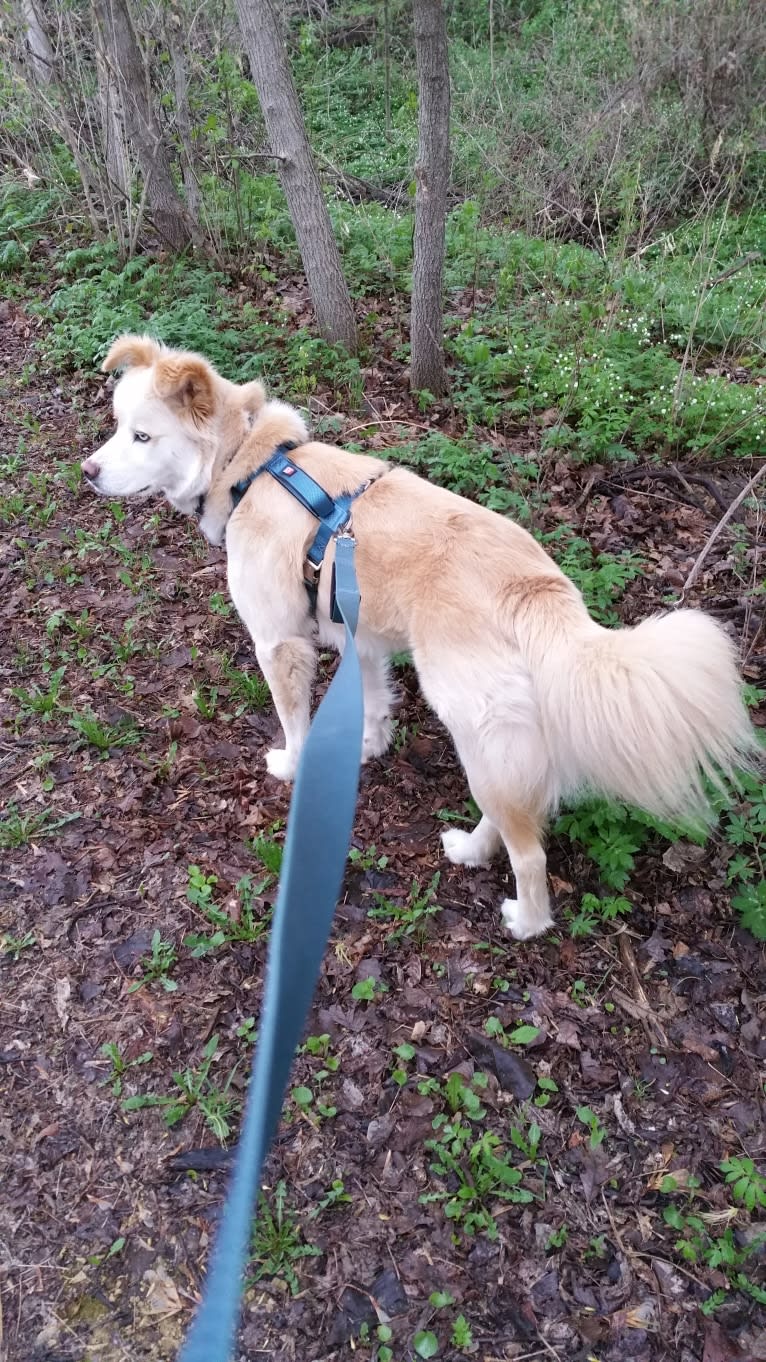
column 152, row 450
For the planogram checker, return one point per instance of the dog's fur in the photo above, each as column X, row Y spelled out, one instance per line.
column 541, row 701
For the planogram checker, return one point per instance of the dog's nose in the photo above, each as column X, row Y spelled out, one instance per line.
column 90, row 469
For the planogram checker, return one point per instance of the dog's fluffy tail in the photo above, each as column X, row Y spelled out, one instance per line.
column 642, row 714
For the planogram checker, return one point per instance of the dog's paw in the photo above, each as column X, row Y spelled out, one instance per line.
column 460, row 848
column 377, row 738
column 521, row 922
column 281, row 763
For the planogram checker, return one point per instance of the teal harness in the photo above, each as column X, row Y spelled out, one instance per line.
column 333, row 513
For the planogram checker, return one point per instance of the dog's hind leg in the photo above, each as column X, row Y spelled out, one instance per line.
column 289, row 668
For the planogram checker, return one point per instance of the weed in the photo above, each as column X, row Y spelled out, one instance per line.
column 121, row 1066
column 12, row 946
column 195, row 1090
column 462, row 1335
column 367, row 860
column 697, row 1242
column 405, row 1053
column 369, row 990
column 336, row 1195
column 546, row 1088
column 219, row 605
column 521, row 1035
column 594, row 912
column 425, row 1343
column 412, row 915
column 478, row 1175
column 277, row 1245
column 95, row 732
column 249, row 689
column 268, row 850
column 744, row 829
column 156, row 967
column 17, row 829
column 748, row 1186
column 206, row 700
column 596, row 1131
column 43, row 704
column 611, row 834
column 245, row 927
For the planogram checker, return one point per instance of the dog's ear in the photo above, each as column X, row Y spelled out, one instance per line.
column 253, row 396
column 188, row 381
column 131, row 352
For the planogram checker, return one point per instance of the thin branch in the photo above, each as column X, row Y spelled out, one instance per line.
column 723, row 522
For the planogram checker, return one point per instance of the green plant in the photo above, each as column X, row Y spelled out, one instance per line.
column 104, row 736
column 611, row 834
column 268, row 850
column 12, row 946
column 41, row 703
column 547, row 1086
column 336, row 1195
column 17, row 829
column 697, row 1244
column 405, row 1053
column 425, row 1343
column 249, row 925
column 206, row 700
column 368, row 990
column 462, row 1335
column 248, row 688
column 597, row 1133
column 155, row 968
column 412, row 915
column 367, row 860
column 277, row 1245
column 521, row 1035
column 748, row 1186
column 120, row 1065
column 744, row 828
column 195, row 1090
column 595, row 912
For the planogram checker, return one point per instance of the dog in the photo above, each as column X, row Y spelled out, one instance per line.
column 541, row 701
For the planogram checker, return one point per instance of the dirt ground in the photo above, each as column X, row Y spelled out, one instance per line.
column 654, row 1023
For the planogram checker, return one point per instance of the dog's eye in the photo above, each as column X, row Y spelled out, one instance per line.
column 141, row 436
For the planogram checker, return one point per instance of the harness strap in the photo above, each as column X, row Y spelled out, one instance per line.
column 333, row 513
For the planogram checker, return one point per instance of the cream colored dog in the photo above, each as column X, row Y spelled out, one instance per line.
column 541, row 701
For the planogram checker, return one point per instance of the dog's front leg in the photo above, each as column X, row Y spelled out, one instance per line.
column 289, row 667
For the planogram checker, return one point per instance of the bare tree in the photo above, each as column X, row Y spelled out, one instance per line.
column 112, row 132
column 166, row 208
column 40, row 50
column 288, row 141
column 431, row 186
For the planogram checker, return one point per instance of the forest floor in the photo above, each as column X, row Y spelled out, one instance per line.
column 639, row 1068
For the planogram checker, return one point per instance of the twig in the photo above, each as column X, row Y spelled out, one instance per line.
column 723, row 522
column 751, row 258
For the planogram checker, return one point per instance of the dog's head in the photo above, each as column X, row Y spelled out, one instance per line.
column 173, row 412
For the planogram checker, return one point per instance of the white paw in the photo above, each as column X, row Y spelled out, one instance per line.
column 460, row 848
column 281, row 763
column 523, row 922
column 377, row 738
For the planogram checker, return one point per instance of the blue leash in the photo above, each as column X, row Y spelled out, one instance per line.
column 318, row 835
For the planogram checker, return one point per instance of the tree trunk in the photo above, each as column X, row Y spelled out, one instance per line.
column 115, row 151
column 183, row 115
column 431, row 186
column 40, row 50
column 287, row 138
column 165, row 205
